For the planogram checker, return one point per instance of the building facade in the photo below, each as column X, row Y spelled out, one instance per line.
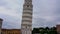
column 11, row 31
column 58, row 28
column 1, row 20
column 26, row 26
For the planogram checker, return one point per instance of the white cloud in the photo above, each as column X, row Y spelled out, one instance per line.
column 11, row 13
column 8, row 12
column 46, row 10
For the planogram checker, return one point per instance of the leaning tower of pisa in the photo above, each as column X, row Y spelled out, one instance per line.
column 26, row 26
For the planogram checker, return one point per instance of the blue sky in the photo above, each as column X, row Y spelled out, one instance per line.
column 45, row 13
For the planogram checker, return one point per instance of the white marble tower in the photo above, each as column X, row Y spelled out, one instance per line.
column 26, row 26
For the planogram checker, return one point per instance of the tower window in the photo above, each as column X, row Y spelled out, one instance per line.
column 27, row 5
